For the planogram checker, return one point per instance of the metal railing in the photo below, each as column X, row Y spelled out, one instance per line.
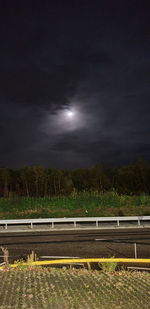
column 75, row 221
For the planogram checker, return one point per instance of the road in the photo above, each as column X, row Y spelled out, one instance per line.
column 85, row 243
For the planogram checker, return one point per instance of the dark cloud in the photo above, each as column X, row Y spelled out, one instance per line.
column 94, row 57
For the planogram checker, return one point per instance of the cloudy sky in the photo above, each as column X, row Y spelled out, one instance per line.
column 74, row 82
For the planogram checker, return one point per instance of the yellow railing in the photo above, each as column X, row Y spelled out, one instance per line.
column 89, row 260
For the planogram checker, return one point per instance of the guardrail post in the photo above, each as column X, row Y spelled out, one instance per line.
column 135, row 250
column 96, row 223
column 75, row 224
column 31, row 225
column 6, row 226
column 139, row 223
column 118, row 223
column 52, row 225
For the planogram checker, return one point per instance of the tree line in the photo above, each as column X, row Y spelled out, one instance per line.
column 40, row 181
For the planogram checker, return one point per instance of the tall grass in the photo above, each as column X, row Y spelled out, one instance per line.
column 83, row 204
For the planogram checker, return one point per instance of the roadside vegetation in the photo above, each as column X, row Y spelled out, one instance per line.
column 75, row 205
column 38, row 192
column 43, row 288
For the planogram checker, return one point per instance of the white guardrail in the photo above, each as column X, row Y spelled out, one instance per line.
column 52, row 221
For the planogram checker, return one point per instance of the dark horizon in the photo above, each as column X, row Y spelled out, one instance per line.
column 75, row 79
column 102, row 165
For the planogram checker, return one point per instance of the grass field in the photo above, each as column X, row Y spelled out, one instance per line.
column 84, row 204
column 46, row 288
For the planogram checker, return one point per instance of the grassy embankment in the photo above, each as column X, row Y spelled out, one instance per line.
column 84, row 204
column 73, row 289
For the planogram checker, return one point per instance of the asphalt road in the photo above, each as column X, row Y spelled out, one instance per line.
column 87, row 243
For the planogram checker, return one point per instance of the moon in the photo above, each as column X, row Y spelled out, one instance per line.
column 65, row 120
column 69, row 114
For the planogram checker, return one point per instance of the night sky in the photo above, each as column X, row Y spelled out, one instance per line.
column 74, row 83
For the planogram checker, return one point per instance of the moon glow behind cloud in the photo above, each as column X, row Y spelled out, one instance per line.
column 69, row 114
column 64, row 120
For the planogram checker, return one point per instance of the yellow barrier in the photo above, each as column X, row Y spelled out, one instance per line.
column 90, row 260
